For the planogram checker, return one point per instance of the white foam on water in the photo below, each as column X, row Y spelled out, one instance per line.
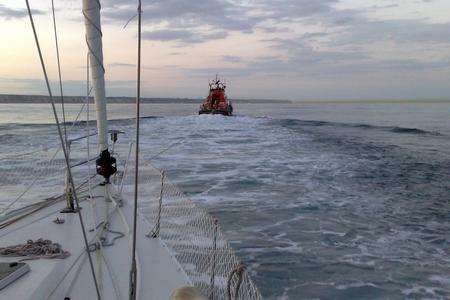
column 301, row 196
column 443, row 280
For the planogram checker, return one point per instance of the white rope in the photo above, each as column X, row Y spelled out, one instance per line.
column 95, row 238
column 68, row 272
column 111, row 276
column 77, row 274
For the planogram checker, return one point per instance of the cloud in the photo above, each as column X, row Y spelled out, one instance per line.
column 121, row 65
column 188, row 21
column 231, row 58
column 71, row 87
column 296, row 39
column 216, row 14
column 288, row 10
column 183, row 36
column 181, row 21
column 399, row 31
column 342, row 41
column 10, row 13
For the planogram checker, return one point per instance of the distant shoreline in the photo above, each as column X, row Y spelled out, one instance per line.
column 373, row 101
column 36, row 99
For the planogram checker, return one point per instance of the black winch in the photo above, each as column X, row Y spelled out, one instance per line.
column 106, row 165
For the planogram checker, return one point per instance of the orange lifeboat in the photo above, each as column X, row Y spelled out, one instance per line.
column 216, row 103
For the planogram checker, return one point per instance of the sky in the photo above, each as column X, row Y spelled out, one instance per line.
column 272, row 49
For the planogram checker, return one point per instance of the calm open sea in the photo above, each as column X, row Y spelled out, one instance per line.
column 330, row 201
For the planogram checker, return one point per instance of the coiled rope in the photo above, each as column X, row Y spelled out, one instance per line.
column 37, row 249
column 103, row 241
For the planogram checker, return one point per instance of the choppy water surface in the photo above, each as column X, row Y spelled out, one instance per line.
column 320, row 201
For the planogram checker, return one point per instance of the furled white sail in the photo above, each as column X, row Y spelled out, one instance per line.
column 91, row 12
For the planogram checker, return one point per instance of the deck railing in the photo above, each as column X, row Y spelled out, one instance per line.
column 194, row 239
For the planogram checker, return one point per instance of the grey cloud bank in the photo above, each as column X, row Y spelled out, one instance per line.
column 312, row 48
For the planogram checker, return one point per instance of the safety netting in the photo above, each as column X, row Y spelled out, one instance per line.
column 34, row 169
column 192, row 236
column 33, row 176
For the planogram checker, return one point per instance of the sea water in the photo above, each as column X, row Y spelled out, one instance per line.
column 331, row 201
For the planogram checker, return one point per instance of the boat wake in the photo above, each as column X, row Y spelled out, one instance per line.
column 294, row 123
column 313, row 204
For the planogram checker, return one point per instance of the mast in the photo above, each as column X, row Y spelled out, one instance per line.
column 91, row 12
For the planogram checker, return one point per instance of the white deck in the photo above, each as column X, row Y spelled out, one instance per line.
column 158, row 272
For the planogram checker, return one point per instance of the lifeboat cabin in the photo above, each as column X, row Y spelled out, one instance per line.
column 216, row 103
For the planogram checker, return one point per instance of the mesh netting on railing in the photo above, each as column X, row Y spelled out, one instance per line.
column 34, row 176
column 30, row 177
column 194, row 238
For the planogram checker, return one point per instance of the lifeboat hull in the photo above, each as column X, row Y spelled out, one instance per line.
column 215, row 112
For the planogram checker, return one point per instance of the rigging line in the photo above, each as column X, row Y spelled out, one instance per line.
column 91, row 52
column 112, row 276
column 52, row 198
column 27, row 188
column 133, row 271
column 125, row 169
column 33, row 209
column 75, row 277
column 46, row 148
column 88, row 128
column 80, row 111
column 96, row 236
column 50, row 161
column 59, row 71
column 63, row 146
column 129, row 20
column 165, row 150
column 90, row 21
column 114, row 283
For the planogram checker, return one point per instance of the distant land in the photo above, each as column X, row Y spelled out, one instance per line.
column 371, row 101
column 9, row 98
